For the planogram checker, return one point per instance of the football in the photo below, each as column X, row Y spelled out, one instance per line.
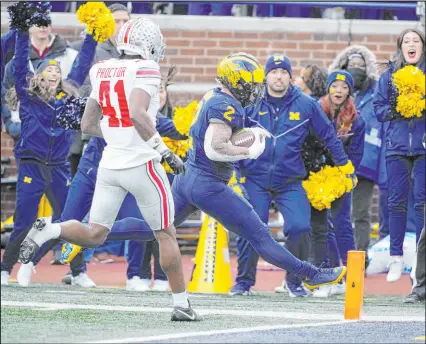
column 243, row 138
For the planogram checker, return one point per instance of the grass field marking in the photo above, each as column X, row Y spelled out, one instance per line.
column 211, row 311
column 214, row 332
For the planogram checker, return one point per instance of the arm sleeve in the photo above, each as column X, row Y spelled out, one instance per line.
column 327, row 134
column 381, row 103
column 83, row 62
column 166, row 128
column 356, row 148
column 20, row 63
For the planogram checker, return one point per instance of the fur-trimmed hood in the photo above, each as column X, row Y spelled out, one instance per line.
column 341, row 60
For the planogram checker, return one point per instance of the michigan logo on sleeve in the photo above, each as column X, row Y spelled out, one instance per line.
column 294, row 116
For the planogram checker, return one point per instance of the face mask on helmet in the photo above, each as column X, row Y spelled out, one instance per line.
column 141, row 37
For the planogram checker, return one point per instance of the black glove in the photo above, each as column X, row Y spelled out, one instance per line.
column 175, row 163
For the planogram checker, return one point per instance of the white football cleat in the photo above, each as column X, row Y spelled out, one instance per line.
column 25, row 273
column 83, row 280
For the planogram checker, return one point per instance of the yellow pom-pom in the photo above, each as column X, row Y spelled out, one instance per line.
column 183, row 116
column 98, row 19
column 327, row 185
column 348, row 168
column 410, row 82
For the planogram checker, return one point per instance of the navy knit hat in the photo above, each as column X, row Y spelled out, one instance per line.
column 343, row 76
column 278, row 61
column 43, row 64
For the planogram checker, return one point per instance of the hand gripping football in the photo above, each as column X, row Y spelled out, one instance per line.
column 243, row 138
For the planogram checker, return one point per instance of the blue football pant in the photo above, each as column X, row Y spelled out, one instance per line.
column 34, row 180
column 195, row 190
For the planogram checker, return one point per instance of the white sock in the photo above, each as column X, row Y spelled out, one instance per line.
column 49, row 232
column 180, row 300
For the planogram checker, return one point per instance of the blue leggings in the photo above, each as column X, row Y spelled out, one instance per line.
column 196, row 190
column 400, row 168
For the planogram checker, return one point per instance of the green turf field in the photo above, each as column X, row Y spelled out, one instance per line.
column 65, row 314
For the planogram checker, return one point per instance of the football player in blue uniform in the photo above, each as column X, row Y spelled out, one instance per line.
column 210, row 164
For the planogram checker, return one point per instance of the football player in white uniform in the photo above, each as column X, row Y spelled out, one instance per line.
column 122, row 109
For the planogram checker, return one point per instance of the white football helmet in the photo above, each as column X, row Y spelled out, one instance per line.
column 141, row 37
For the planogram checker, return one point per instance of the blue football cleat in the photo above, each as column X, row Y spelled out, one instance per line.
column 325, row 276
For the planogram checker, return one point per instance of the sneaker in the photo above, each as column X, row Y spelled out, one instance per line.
column 28, row 246
column 339, row 288
column 243, row 290
column 322, row 292
column 69, row 251
column 282, row 288
column 83, row 280
column 138, row 284
column 396, row 265
column 185, row 314
column 414, row 298
column 296, row 290
column 67, row 279
column 5, row 278
column 25, row 273
column 161, row 285
column 325, row 276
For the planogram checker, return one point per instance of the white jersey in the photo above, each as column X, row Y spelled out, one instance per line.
column 112, row 82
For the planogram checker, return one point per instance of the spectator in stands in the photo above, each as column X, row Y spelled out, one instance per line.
column 277, row 174
column 313, row 81
column 405, row 154
column 208, row 8
column 43, row 146
column 360, row 62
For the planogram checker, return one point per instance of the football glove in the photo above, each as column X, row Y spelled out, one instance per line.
column 175, row 163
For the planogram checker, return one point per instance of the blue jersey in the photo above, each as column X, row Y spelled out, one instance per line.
column 218, row 107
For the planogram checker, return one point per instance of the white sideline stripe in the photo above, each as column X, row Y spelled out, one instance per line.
column 213, row 332
column 206, row 311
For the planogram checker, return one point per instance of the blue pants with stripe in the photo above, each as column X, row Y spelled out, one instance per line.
column 34, row 180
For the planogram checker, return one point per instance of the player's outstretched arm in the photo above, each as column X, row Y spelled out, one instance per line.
column 218, row 145
column 90, row 123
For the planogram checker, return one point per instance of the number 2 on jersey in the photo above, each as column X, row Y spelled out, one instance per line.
column 122, row 119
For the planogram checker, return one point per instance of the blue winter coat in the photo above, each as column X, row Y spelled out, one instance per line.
column 41, row 138
column 403, row 136
column 281, row 162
